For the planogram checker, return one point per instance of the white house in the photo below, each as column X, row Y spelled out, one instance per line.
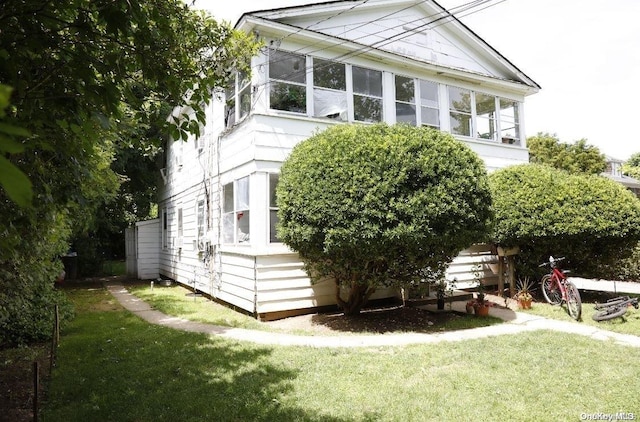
column 322, row 64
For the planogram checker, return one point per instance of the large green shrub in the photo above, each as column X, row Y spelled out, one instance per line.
column 379, row 205
column 591, row 220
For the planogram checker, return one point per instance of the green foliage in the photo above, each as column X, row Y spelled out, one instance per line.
column 578, row 157
column 591, row 220
column 378, row 205
column 15, row 183
column 88, row 80
column 632, row 166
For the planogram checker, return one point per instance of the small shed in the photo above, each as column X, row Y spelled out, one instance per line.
column 143, row 249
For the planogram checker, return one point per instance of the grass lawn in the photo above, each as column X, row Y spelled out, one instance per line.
column 628, row 324
column 112, row 366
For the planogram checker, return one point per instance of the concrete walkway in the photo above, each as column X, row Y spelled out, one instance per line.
column 516, row 322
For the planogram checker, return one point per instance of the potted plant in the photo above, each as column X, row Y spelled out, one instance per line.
column 441, row 288
column 479, row 304
column 523, row 293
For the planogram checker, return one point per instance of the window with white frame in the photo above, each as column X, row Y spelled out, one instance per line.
column 509, row 121
column 329, row 90
column 235, row 209
column 417, row 103
column 367, row 94
column 486, row 127
column 429, row 104
column 405, row 100
column 273, row 207
column 460, row 111
column 237, row 98
column 287, row 81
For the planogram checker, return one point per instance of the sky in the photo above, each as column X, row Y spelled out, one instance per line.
column 585, row 54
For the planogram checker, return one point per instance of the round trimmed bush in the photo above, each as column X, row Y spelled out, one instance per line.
column 592, row 220
column 372, row 205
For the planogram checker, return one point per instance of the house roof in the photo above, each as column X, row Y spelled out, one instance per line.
column 626, row 181
column 427, row 19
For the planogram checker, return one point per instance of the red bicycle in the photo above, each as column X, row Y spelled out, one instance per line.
column 557, row 289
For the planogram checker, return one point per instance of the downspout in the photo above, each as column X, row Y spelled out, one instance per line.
column 255, row 287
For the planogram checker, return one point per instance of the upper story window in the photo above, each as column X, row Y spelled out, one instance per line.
column 329, row 90
column 323, row 88
column 237, row 98
column 484, row 116
column 367, row 94
column 417, row 103
column 509, row 121
column 460, row 111
column 235, row 211
column 287, row 81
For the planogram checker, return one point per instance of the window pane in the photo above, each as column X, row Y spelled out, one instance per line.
column 230, row 106
column 485, row 105
column 245, row 101
column 460, row 124
column 429, row 94
column 227, row 193
column 367, row 109
column 331, row 104
column 367, row 81
column 508, row 109
column 179, row 222
column 328, row 74
column 405, row 89
column 243, row 226
column 486, row 128
column 228, row 227
column 273, row 221
column 242, row 194
column 273, row 183
column 509, row 121
column 287, row 66
column 243, row 79
column 288, row 97
column 430, row 117
column 406, row 113
column 459, row 99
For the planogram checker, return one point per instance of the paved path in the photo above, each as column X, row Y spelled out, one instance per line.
column 516, row 322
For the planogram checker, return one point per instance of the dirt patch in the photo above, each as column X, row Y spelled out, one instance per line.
column 17, row 382
column 390, row 319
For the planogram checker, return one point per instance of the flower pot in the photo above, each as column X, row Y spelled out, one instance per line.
column 524, row 303
column 481, row 309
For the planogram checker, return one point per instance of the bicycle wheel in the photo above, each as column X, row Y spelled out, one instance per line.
column 610, row 313
column 550, row 290
column 574, row 304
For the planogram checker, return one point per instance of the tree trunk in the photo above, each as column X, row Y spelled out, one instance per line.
column 358, row 296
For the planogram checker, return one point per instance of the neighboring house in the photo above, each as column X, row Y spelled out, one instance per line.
column 323, row 64
column 614, row 172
